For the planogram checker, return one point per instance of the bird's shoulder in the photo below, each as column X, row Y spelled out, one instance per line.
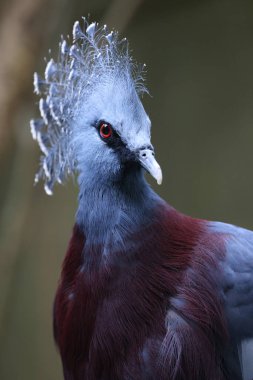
column 237, row 277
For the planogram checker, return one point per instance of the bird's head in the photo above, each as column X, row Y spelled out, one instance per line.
column 92, row 119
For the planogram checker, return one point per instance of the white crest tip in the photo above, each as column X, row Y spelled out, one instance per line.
column 77, row 31
column 48, row 190
column 64, row 47
column 91, row 29
column 51, row 69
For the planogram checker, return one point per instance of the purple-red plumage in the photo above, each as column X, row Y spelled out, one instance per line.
column 151, row 313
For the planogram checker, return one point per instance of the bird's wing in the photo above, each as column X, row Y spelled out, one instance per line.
column 237, row 278
column 237, row 289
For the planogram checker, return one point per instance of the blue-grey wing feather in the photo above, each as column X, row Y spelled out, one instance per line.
column 237, row 289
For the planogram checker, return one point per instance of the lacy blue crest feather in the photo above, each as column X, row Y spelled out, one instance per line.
column 94, row 55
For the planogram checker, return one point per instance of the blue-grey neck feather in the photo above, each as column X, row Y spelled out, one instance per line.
column 110, row 211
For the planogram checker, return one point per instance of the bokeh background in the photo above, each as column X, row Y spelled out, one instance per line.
column 199, row 55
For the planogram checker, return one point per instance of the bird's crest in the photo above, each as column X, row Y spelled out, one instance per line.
column 94, row 55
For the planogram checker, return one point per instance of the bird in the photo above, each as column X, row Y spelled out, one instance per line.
column 145, row 292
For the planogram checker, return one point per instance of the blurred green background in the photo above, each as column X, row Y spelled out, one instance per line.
column 199, row 55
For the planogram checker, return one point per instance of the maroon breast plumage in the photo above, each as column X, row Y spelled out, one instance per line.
column 137, row 316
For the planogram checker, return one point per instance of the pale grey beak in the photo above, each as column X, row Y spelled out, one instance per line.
column 147, row 160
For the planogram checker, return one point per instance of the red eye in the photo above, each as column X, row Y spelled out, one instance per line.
column 105, row 130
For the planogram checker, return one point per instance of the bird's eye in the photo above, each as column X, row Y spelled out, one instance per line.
column 105, row 130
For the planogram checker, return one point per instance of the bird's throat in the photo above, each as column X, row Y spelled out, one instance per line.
column 110, row 212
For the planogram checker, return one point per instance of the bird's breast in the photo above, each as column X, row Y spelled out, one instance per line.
column 112, row 316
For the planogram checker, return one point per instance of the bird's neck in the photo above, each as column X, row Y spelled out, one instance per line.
column 109, row 210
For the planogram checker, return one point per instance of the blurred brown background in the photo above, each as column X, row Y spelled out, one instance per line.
column 199, row 55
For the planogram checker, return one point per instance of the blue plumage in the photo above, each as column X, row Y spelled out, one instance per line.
column 86, row 71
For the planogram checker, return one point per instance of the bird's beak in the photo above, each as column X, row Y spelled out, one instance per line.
column 147, row 160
